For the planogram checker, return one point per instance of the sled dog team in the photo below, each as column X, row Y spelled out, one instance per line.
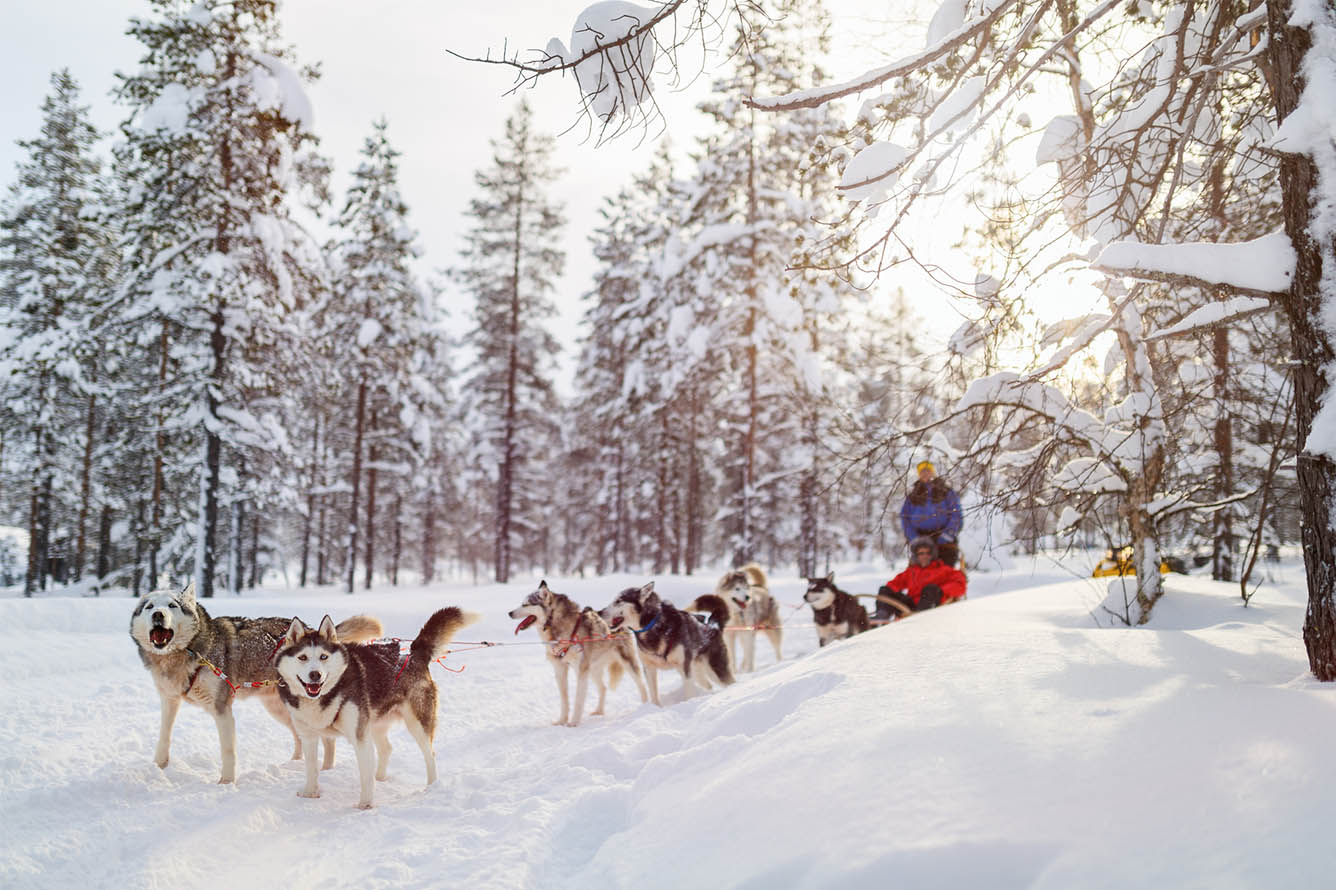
column 337, row 680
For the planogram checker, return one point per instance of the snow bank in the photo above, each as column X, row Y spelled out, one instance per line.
column 1006, row 742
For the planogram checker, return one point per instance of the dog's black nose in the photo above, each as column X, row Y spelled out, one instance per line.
column 158, row 618
column 315, row 676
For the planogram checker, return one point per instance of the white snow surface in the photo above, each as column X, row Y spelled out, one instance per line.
column 1262, row 264
column 1009, row 741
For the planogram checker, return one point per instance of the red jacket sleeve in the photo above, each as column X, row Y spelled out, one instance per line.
column 952, row 582
column 900, row 581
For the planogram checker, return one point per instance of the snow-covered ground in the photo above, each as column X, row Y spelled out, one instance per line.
column 1005, row 742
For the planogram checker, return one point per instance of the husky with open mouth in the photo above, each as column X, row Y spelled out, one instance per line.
column 581, row 639
column 333, row 688
column 671, row 639
column 180, row 644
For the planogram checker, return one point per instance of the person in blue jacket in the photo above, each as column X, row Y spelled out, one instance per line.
column 932, row 510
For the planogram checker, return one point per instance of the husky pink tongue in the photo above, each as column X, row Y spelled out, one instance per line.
column 528, row 619
column 312, row 689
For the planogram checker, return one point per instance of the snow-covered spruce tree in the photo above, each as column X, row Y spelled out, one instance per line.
column 55, row 267
column 216, row 144
column 756, row 197
column 603, row 425
column 510, row 265
column 378, row 305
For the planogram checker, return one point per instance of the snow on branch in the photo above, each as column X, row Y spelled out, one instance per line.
column 1261, row 267
column 815, row 97
column 1212, row 315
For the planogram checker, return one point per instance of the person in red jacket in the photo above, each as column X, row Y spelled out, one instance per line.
column 926, row 584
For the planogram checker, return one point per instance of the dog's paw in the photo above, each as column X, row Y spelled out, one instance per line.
column 365, row 806
column 161, row 762
column 227, row 780
column 310, row 795
column 559, row 722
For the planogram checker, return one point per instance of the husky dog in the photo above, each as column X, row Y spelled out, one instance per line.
column 176, row 636
column 335, row 688
column 837, row 614
column 750, row 607
column 579, row 638
column 672, row 639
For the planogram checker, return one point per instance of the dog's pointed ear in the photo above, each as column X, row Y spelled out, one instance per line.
column 295, row 630
column 647, row 595
column 542, row 586
column 830, row 578
column 327, row 631
column 188, row 595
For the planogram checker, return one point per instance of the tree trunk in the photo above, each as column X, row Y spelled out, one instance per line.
column 359, row 429
column 1222, row 538
column 254, row 581
column 505, row 472
column 398, row 540
column 309, row 518
column 370, row 509
column 85, row 493
column 103, row 547
column 35, row 555
column 429, row 539
column 159, row 445
column 1313, row 350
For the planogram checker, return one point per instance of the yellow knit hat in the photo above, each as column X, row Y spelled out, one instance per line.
column 925, row 464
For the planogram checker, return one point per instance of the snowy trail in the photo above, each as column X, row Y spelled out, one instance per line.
column 1006, row 742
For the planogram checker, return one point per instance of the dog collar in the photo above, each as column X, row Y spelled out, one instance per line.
column 653, row 621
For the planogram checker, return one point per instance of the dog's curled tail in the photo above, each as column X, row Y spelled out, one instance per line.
column 439, row 630
column 755, row 575
column 359, row 629
column 715, row 605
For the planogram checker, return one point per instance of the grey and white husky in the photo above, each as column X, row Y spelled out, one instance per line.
column 333, row 687
column 751, row 610
column 671, row 639
column 176, row 637
column 579, row 638
column 837, row 614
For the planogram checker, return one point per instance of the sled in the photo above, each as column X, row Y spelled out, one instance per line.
column 1120, row 563
column 898, row 607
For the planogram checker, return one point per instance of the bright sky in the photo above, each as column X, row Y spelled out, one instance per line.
column 390, row 58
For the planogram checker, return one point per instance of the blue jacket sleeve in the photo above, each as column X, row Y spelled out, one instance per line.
column 904, row 521
column 954, row 519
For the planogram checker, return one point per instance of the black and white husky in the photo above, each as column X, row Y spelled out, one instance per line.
column 751, row 610
column 180, row 644
column 836, row 613
column 334, row 688
column 670, row 639
column 579, row 638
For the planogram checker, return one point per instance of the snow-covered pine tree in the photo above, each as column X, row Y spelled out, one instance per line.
column 510, row 266
column 751, row 201
column 54, row 265
column 377, row 304
column 217, row 143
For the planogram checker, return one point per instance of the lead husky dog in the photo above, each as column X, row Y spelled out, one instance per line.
column 751, row 608
column 670, row 639
column 580, row 639
column 335, row 688
column 837, row 614
column 176, row 636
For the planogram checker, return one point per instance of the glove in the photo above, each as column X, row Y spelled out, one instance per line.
column 883, row 590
